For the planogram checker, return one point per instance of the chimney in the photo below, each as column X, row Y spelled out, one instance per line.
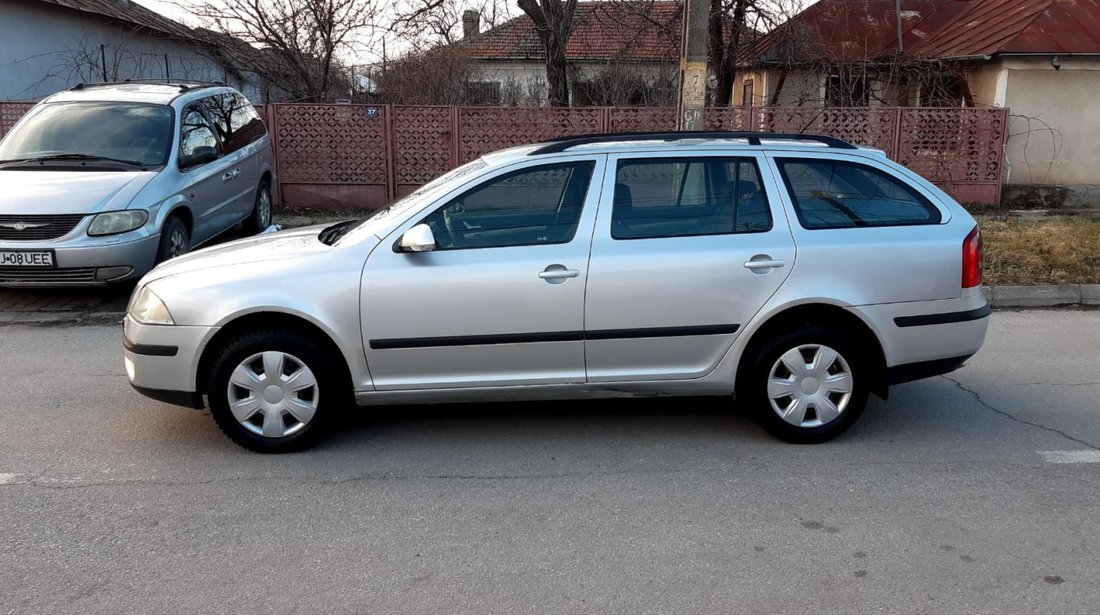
column 471, row 23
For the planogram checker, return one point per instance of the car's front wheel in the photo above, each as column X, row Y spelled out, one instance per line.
column 273, row 391
column 808, row 385
column 175, row 240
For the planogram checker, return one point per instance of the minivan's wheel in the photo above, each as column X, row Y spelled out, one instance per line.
column 273, row 391
column 808, row 385
column 260, row 218
column 174, row 239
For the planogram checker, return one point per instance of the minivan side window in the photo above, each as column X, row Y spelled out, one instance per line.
column 834, row 194
column 534, row 206
column 235, row 119
column 196, row 137
column 683, row 197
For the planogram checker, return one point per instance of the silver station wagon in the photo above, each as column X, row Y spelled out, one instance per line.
column 798, row 274
column 103, row 181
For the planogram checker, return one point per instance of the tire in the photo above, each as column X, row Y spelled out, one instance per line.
column 175, row 240
column 830, row 392
column 274, row 418
column 260, row 218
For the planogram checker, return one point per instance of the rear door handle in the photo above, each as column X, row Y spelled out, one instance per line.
column 760, row 265
column 558, row 274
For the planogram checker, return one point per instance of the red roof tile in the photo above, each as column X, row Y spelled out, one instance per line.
column 852, row 30
column 601, row 31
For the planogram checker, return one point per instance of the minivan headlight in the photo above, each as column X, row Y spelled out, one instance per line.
column 147, row 309
column 115, row 222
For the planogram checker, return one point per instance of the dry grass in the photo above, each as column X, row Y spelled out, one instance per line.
column 1054, row 250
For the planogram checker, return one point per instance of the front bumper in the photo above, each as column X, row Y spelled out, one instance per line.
column 84, row 262
column 162, row 361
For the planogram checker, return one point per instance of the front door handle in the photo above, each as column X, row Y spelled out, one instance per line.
column 763, row 262
column 230, row 175
column 558, row 274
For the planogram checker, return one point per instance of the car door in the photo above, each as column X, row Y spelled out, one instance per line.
column 204, row 173
column 240, row 172
column 500, row 300
column 687, row 248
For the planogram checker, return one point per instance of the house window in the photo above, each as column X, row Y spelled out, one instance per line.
column 481, row 93
column 847, row 91
column 746, row 93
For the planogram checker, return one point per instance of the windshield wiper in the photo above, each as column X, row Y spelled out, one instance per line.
column 53, row 157
column 331, row 234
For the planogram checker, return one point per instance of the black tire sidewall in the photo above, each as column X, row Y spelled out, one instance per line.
column 170, row 226
column 754, row 389
column 304, row 349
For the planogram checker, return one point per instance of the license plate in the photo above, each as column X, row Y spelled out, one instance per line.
column 26, row 258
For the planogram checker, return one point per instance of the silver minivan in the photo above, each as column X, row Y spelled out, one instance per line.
column 103, row 181
column 799, row 274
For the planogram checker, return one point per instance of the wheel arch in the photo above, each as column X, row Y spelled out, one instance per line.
column 267, row 320
column 821, row 314
column 183, row 212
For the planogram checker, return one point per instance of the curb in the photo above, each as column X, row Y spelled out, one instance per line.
column 1053, row 295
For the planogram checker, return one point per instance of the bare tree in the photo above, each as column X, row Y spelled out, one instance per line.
column 553, row 24
column 433, row 22
column 301, row 40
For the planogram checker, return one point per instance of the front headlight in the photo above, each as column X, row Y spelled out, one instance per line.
column 147, row 309
column 115, row 222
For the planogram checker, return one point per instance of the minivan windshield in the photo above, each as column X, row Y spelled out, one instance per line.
column 95, row 135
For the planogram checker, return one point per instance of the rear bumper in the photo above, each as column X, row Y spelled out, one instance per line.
column 929, row 332
column 900, row 374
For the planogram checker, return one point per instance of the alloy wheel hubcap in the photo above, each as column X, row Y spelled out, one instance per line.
column 265, row 209
column 273, row 394
column 177, row 244
column 810, row 386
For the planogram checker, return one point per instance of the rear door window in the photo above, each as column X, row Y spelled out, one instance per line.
column 834, row 194
column 683, row 197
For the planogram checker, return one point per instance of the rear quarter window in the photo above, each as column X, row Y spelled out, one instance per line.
column 833, row 194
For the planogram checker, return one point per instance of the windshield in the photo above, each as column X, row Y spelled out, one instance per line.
column 141, row 133
column 451, row 178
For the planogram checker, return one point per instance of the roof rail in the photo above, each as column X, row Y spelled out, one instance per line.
column 564, row 143
column 183, row 84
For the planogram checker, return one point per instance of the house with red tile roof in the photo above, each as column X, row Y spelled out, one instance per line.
column 1040, row 58
column 619, row 53
column 51, row 45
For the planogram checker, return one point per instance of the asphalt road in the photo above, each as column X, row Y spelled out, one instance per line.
column 975, row 494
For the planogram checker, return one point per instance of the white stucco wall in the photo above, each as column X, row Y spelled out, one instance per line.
column 45, row 48
column 1055, row 124
column 524, row 83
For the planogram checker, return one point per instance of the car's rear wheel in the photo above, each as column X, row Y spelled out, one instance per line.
column 273, row 391
column 175, row 240
column 260, row 218
column 808, row 385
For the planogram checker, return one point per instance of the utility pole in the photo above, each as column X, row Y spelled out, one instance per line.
column 693, row 66
column 901, row 36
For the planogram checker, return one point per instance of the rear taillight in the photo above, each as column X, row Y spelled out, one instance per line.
column 972, row 259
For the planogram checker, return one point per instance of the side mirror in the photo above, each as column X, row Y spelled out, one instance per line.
column 202, row 155
column 417, row 239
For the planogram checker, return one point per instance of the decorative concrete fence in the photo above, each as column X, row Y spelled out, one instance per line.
column 342, row 156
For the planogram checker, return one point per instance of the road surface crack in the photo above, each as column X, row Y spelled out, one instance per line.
column 1008, row 415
